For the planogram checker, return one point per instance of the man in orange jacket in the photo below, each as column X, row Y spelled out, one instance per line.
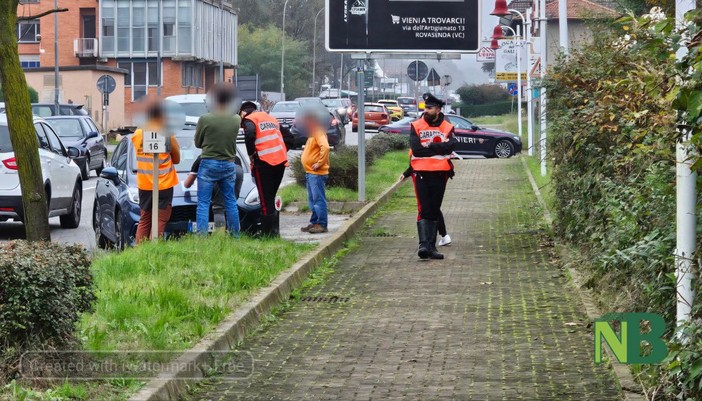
column 432, row 140
column 167, row 178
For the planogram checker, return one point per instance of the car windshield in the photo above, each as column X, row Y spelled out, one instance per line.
column 67, row 128
column 42, row 111
column 194, row 109
column 188, row 153
column 309, row 100
column 405, row 101
column 333, row 103
column 5, row 144
column 374, row 109
column 285, row 107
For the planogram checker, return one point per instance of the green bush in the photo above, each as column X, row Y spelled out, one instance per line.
column 482, row 94
column 44, row 288
column 490, row 109
column 343, row 161
column 33, row 95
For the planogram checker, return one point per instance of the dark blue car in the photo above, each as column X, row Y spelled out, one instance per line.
column 116, row 208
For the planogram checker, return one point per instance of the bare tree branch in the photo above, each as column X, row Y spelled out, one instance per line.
column 42, row 14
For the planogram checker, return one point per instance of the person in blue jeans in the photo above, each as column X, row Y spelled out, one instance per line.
column 315, row 160
column 216, row 134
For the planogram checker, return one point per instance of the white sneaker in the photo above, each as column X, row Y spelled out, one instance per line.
column 445, row 240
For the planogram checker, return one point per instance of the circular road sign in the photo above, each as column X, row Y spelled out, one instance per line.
column 106, row 84
column 513, row 90
column 417, row 71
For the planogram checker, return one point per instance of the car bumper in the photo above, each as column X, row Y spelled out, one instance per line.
column 11, row 208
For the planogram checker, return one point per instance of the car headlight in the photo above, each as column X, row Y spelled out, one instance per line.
column 252, row 198
column 517, row 138
column 133, row 195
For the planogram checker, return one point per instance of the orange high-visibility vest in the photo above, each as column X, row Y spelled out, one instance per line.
column 167, row 175
column 428, row 134
column 270, row 146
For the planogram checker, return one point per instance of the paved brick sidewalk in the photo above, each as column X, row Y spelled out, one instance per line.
column 492, row 322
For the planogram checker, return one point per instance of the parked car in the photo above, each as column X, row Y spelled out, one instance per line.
column 116, row 207
column 65, row 109
column 336, row 132
column 307, row 101
column 193, row 106
column 376, row 116
column 62, row 183
column 82, row 133
column 472, row 140
column 407, row 103
column 285, row 112
column 393, row 106
column 342, row 106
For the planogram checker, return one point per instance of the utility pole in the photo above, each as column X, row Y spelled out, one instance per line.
column 361, row 132
column 221, row 42
column 563, row 25
column 519, row 80
column 544, row 54
column 686, row 200
column 314, row 51
column 158, row 54
column 530, row 89
column 282, row 57
column 56, row 61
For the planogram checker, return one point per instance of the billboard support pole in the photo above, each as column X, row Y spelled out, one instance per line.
column 361, row 133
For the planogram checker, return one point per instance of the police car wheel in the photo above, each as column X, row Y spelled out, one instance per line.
column 504, row 149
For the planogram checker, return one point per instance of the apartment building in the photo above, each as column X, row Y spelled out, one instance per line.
column 124, row 38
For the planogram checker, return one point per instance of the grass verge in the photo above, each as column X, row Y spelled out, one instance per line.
column 165, row 296
column 381, row 175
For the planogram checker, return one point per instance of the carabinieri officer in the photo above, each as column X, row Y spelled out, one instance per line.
column 432, row 140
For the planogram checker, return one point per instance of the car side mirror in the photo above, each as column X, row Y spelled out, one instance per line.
column 474, row 128
column 72, row 152
column 93, row 134
column 110, row 173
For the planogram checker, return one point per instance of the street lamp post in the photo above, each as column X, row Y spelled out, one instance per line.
column 314, row 51
column 282, row 56
column 522, row 40
column 56, row 60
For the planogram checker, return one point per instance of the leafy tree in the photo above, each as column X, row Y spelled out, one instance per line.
column 33, row 95
column 482, row 94
column 260, row 52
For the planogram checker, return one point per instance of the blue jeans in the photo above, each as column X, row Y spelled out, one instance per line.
column 316, row 198
column 222, row 173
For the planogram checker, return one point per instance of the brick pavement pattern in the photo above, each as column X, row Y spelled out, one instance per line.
column 494, row 321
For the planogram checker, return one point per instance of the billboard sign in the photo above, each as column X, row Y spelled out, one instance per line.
column 485, row 55
column 506, row 61
column 403, row 26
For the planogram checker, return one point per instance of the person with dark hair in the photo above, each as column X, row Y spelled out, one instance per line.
column 268, row 149
column 216, row 135
column 167, row 178
column 432, row 141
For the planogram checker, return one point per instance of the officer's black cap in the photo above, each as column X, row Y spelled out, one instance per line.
column 248, row 107
column 432, row 101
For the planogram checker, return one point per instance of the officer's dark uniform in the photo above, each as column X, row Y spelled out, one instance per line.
column 267, row 146
column 432, row 142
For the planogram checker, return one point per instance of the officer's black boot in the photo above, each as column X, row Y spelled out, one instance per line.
column 424, row 251
column 274, row 225
column 431, row 238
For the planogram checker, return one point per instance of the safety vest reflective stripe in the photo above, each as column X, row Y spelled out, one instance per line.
column 270, row 146
column 151, row 159
column 428, row 134
column 270, row 150
column 160, row 171
column 267, row 138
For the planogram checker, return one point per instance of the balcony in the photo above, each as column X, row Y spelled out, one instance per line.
column 85, row 47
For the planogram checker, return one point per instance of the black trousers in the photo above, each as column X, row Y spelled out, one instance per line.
column 268, row 179
column 429, row 187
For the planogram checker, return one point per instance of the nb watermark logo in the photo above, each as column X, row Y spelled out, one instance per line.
column 626, row 345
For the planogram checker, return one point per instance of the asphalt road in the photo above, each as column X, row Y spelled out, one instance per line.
column 84, row 234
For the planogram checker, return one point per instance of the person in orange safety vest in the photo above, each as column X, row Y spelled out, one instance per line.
column 432, row 141
column 267, row 145
column 167, row 178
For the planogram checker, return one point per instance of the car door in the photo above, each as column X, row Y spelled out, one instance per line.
column 61, row 177
column 467, row 138
column 93, row 145
column 45, row 154
column 108, row 192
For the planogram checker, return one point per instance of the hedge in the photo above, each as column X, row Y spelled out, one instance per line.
column 490, row 109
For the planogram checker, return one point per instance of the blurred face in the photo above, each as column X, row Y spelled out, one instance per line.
column 310, row 123
column 431, row 112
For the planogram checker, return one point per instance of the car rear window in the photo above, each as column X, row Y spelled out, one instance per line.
column 406, row 101
column 67, row 128
column 375, row 109
column 5, row 144
column 196, row 109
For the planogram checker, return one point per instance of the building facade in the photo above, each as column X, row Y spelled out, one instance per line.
column 125, row 38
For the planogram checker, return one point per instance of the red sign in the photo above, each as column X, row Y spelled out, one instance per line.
column 485, row 55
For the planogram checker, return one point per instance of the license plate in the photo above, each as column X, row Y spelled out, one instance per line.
column 210, row 227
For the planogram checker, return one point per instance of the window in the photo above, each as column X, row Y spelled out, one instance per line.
column 185, row 16
column 41, row 136
column 192, row 75
column 29, row 61
column 119, row 158
column 142, row 74
column 27, row 31
column 138, row 27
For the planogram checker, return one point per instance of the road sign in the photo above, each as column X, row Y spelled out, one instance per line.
column 446, row 80
column 506, row 61
column 106, row 84
column 485, row 55
column 368, row 78
column 154, row 142
column 447, row 26
column 513, row 90
column 433, row 79
column 417, row 71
